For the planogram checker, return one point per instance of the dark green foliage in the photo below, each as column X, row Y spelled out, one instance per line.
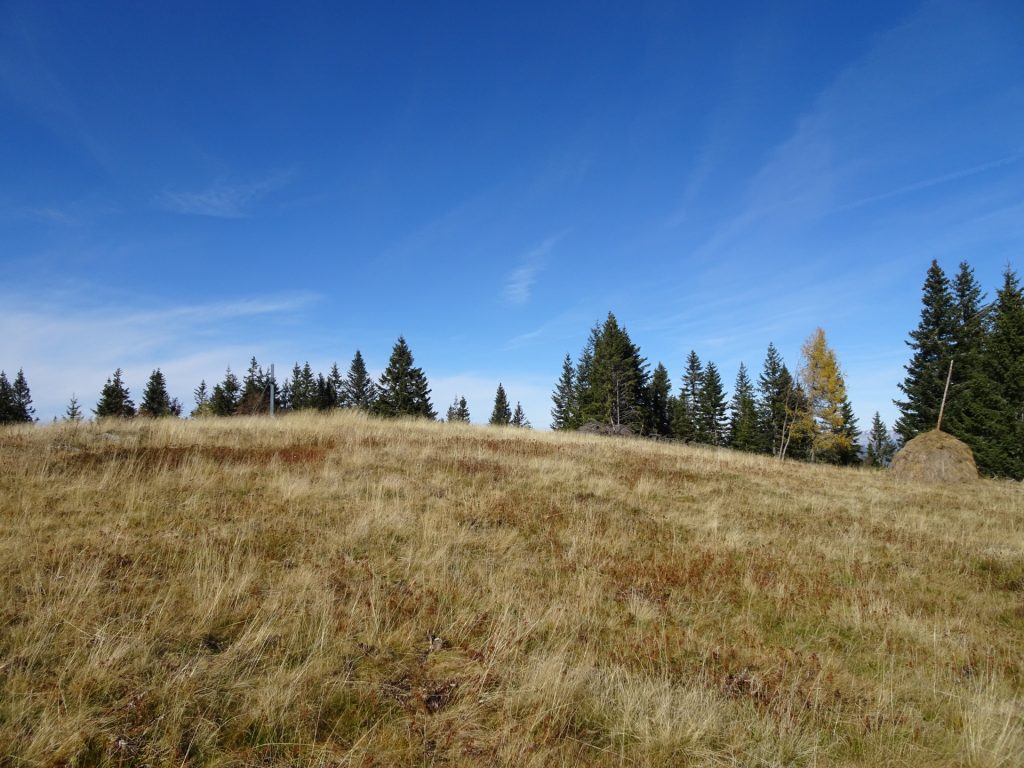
column 933, row 342
column 687, row 407
column 968, row 340
column 15, row 400
column 612, row 380
column 305, row 393
column 501, row 414
column 744, row 434
column 255, row 394
column 564, row 410
column 22, row 399
column 403, row 389
column 992, row 418
column 458, row 411
column 850, row 454
column 775, row 397
column 225, row 397
column 661, row 402
column 881, row 447
column 519, row 418
column 358, row 389
column 202, row 398
column 6, row 400
column 73, row 411
column 155, row 400
column 115, row 399
column 682, row 418
column 336, row 387
column 711, row 422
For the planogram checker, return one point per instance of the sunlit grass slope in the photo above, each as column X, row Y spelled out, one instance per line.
column 345, row 591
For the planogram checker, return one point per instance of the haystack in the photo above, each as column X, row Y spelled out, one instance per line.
column 935, row 457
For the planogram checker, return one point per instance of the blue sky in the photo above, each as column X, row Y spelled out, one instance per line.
column 187, row 185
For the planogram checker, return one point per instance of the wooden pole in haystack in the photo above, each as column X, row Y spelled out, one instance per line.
column 945, row 392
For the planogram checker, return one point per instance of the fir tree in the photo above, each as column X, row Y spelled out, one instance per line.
column 970, row 328
column 336, row 387
column 403, row 389
column 661, row 402
column 881, row 447
column 711, row 423
column 519, row 417
column 224, row 401
column 774, row 397
column 73, row 413
column 687, row 410
column 202, row 398
column 155, row 400
column 616, row 380
column 358, row 390
column 849, row 450
column 21, row 399
column 458, row 411
column 933, row 343
column 501, row 414
column 563, row 413
column 6, row 400
column 993, row 411
column 115, row 399
column 744, row 434
column 583, row 395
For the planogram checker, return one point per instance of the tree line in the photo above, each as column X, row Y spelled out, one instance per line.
column 807, row 415
column 401, row 390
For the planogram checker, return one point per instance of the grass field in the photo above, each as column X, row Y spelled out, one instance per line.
column 344, row 591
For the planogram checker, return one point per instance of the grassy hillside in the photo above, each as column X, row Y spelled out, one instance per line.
column 343, row 591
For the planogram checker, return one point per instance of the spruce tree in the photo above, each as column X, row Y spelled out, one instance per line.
column 687, row 411
column 6, row 400
column 73, row 413
column 403, row 389
column 661, row 402
column 993, row 411
column 336, row 387
column 744, row 434
column 202, row 399
column 519, row 417
column 970, row 328
column 563, row 412
column 115, row 399
column 849, row 450
column 155, row 400
column 616, row 384
column 881, row 447
column 711, row 423
column 933, row 342
column 224, row 401
column 458, row 411
column 358, row 390
column 501, row 414
column 774, row 397
column 583, row 394
column 21, row 400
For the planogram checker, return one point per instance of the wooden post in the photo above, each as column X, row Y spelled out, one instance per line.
column 945, row 392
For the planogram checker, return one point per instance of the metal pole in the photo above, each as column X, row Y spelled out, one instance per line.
column 272, row 391
column 945, row 392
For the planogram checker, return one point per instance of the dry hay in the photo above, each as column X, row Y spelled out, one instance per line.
column 935, row 457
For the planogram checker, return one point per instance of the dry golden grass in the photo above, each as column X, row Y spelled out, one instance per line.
column 345, row 591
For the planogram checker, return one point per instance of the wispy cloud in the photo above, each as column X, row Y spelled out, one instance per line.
column 68, row 343
column 519, row 282
column 220, row 199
